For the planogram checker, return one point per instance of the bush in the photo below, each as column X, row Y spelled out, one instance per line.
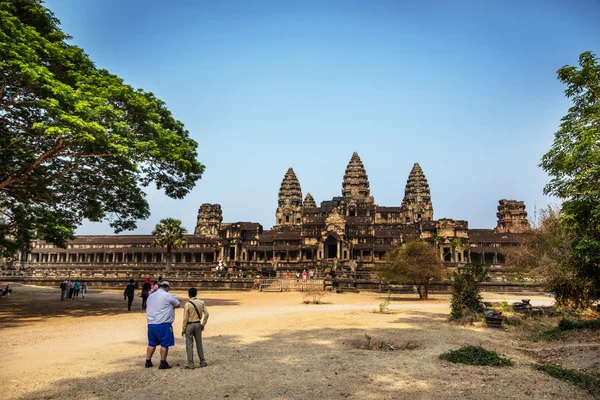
column 313, row 295
column 383, row 306
column 475, row 355
column 584, row 381
column 465, row 291
column 565, row 325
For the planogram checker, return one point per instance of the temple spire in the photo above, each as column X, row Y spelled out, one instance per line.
column 289, row 210
column 309, row 201
column 356, row 181
column 417, row 197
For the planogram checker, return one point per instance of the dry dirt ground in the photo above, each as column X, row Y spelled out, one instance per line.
column 259, row 346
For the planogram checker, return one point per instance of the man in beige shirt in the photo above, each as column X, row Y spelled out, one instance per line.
column 192, row 328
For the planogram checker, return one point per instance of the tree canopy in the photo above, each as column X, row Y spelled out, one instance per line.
column 76, row 142
column 416, row 263
column 170, row 234
column 573, row 163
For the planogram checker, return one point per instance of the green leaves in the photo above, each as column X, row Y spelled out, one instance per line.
column 76, row 139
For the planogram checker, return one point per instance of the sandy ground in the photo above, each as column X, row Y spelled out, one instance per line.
column 259, row 346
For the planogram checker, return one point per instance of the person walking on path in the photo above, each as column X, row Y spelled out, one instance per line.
column 160, row 314
column 129, row 293
column 84, row 288
column 192, row 328
column 70, row 288
column 76, row 288
column 146, row 288
column 63, row 290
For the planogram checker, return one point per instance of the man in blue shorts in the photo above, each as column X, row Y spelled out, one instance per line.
column 160, row 313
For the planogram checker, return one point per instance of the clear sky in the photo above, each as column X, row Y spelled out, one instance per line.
column 466, row 88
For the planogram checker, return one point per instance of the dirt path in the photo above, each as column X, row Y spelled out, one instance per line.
column 259, row 346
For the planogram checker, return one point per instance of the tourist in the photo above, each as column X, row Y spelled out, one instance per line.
column 7, row 291
column 146, row 288
column 311, row 274
column 297, row 276
column 76, row 289
column 304, row 275
column 192, row 328
column 154, row 287
column 70, row 288
column 84, row 288
column 129, row 293
column 287, row 274
column 160, row 313
column 63, row 290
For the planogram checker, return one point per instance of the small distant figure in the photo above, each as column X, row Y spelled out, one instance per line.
column 297, row 276
column 192, row 328
column 129, row 293
column 70, row 288
column 160, row 314
column 154, row 287
column 63, row 290
column 146, row 288
column 76, row 288
column 304, row 275
column 7, row 291
column 84, row 288
column 311, row 274
column 287, row 274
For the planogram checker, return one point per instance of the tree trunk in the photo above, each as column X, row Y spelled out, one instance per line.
column 426, row 291
column 420, row 292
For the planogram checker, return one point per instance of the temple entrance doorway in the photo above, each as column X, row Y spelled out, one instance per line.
column 331, row 247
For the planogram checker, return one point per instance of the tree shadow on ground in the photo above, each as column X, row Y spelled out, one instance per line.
column 19, row 309
column 318, row 363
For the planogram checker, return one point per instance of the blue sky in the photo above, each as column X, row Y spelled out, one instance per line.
column 466, row 88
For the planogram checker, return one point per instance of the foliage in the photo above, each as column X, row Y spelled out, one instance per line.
column 170, row 234
column 76, row 142
column 573, row 163
column 546, row 255
column 383, row 306
column 475, row 355
column 465, row 290
column 565, row 325
column 416, row 263
column 584, row 381
column 313, row 295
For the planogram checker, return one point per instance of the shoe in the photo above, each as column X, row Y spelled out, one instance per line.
column 148, row 364
column 164, row 366
column 189, row 367
column 203, row 364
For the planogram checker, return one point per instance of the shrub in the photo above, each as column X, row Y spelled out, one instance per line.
column 465, row 291
column 313, row 295
column 584, row 381
column 565, row 325
column 383, row 306
column 475, row 355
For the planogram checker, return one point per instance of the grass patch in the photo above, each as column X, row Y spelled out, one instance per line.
column 584, row 381
column 475, row 355
column 565, row 326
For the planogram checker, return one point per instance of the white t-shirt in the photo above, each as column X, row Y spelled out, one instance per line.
column 160, row 307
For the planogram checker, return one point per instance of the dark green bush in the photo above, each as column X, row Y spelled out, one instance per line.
column 475, row 355
column 465, row 291
column 584, row 381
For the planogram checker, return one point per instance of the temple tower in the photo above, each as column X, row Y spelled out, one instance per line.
column 356, row 181
column 417, row 197
column 209, row 220
column 309, row 201
column 512, row 217
column 289, row 205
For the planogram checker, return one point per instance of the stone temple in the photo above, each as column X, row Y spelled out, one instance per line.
column 350, row 233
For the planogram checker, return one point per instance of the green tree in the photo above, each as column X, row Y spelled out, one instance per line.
column 170, row 234
column 76, row 142
column 546, row 256
column 416, row 263
column 573, row 163
column 465, row 289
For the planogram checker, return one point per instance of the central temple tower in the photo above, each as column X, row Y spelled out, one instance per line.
column 417, row 205
column 356, row 182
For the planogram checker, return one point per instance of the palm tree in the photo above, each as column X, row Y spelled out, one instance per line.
column 170, row 234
